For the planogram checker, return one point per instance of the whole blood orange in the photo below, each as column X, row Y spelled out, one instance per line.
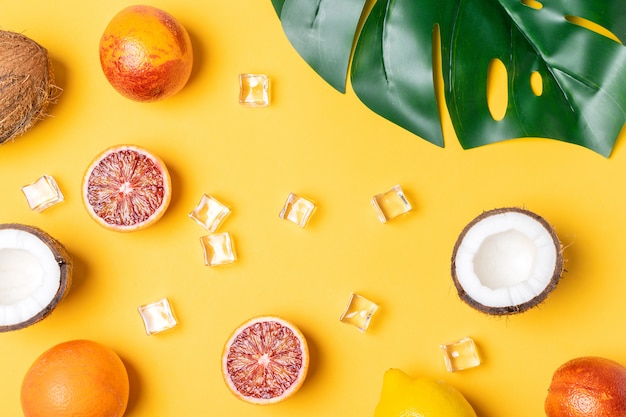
column 146, row 54
column 126, row 188
column 587, row 387
column 76, row 378
column 265, row 360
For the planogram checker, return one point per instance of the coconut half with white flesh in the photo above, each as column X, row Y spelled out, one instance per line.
column 506, row 261
column 35, row 274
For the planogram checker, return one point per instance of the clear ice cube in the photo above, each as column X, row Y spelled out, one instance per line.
column 209, row 213
column 359, row 312
column 254, row 90
column 43, row 193
column 391, row 204
column 218, row 249
column 297, row 210
column 158, row 316
column 461, row 354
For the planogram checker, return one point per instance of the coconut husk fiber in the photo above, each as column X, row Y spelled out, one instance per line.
column 26, row 84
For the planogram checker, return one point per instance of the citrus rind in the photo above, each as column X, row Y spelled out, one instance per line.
column 404, row 396
column 76, row 378
column 146, row 54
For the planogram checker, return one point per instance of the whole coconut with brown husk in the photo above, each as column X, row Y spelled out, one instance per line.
column 506, row 261
column 35, row 275
column 26, row 84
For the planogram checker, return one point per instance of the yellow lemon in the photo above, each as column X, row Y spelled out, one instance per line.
column 403, row 396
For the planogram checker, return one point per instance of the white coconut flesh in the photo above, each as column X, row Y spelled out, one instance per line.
column 506, row 259
column 30, row 276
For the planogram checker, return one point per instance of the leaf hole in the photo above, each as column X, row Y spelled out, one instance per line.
column 536, row 83
column 533, row 4
column 438, row 72
column 588, row 24
column 497, row 89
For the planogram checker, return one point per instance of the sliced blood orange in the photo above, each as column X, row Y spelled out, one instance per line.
column 126, row 188
column 265, row 360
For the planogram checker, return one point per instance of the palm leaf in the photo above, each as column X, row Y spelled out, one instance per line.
column 393, row 72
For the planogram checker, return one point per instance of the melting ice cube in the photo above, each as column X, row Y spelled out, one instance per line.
column 254, row 90
column 158, row 316
column 218, row 249
column 209, row 213
column 297, row 210
column 359, row 312
column 43, row 193
column 391, row 204
column 461, row 354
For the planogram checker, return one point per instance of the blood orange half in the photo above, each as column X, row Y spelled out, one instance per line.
column 126, row 188
column 265, row 360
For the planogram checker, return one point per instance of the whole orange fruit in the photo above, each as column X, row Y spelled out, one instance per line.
column 588, row 386
column 76, row 378
column 146, row 54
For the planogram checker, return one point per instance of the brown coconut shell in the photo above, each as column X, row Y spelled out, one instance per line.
column 66, row 266
column 26, row 84
column 519, row 308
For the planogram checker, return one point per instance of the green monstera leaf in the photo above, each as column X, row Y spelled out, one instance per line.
column 581, row 97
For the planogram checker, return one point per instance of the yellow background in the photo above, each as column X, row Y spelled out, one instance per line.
column 330, row 148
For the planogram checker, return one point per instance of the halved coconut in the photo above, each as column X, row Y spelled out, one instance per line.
column 35, row 274
column 506, row 261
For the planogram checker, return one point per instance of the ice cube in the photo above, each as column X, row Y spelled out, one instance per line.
column 158, row 316
column 391, row 204
column 43, row 193
column 218, row 249
column 461, row 354
column 254, row 90
column 209, row 213
column 359, row 312
column 297, row 210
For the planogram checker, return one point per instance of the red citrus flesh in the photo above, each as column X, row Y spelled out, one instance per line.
column 126, row 188
column 265, row 360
